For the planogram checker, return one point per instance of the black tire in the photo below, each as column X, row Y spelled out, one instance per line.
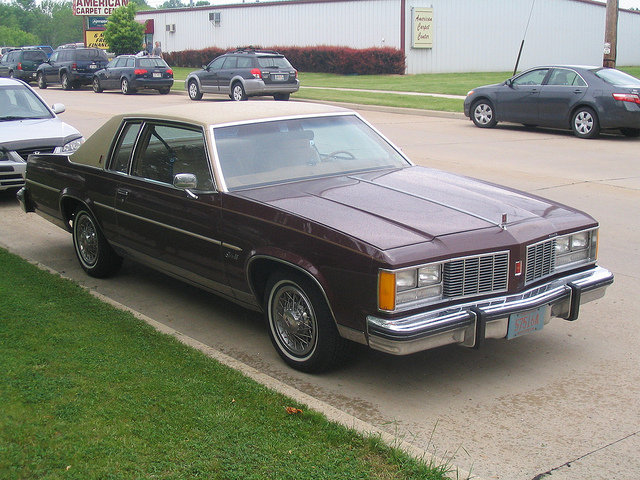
column 281, row 96
column 194, row 90
column 300, row 324
column 164, row 90
column 483, row 114
column 584, row 123
column 630, row 132
column 64, row 81
column 42, row 83
column 94, row 253
column 96, row 85
column 237, row 92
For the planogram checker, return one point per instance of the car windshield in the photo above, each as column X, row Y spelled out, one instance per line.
column 283, row 151
column 273, row 62
column 19, row 103
column 91, row 54
column 616, row 77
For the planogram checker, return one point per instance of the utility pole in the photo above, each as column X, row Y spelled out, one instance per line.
column 611, row 35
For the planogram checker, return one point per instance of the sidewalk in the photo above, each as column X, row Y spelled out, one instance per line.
column 392, row 92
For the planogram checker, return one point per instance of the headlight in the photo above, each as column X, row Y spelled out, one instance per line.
column 400, row 287
column 577, row 247
column 70, row 147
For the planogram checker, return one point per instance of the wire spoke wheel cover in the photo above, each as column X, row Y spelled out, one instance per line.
column 293, row 321
column 86, row 240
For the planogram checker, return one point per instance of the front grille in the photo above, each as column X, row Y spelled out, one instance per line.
column 25, row 152
column 541, row 260
column 476, row 275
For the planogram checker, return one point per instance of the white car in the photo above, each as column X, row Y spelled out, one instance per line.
column 28, row 125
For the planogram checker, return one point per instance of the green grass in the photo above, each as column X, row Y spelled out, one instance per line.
column 91, row 392
column 439, row 83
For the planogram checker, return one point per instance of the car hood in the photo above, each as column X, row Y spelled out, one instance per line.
column 417, row 204
column 18, row 134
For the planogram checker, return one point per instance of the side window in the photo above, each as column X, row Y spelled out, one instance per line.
column 230, row 62
column 217, row 63
column 167, row 150
column 244, row 62
column 531, row 78
column 54, row 56
column 124, row 147
column 131, row 62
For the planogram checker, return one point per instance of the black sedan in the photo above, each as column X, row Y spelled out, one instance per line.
column 584, row 99
column 131, row 73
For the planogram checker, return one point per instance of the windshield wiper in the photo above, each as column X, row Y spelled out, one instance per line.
column 9, row 118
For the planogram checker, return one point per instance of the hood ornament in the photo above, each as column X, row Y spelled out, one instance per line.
column 503, row 222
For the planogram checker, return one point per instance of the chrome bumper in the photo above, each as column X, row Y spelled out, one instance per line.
column 469, row 324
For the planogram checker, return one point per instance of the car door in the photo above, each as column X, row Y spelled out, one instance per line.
column 226, row 73
column 517, row 100
column 209, row 76
column 4, row 64
column 563, row 89
column 52, row 68
column 107, row 75
column 170, row 228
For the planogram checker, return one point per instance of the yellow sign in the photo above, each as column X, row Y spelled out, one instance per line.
column 422, row 27
column 95, row 39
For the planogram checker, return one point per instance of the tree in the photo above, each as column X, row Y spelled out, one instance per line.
column 172, row 4
column 122, row 33
column 14, row 37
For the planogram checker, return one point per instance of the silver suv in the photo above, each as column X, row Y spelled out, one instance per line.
column 245, row 73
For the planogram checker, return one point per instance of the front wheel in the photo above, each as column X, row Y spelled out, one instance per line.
column 584, row 123
column 64, row 81
column 483, row 114
column 194, row 91
column 237, row 92
column 96, row 85
column 301, row 326
column 94, row 253
column 42, row 83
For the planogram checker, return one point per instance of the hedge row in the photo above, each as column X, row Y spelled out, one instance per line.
column 324, row 59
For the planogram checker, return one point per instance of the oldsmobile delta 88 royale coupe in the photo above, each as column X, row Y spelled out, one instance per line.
column 307, row 213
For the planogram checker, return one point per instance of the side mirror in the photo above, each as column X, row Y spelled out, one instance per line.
column 185, row 181
column 509, row 83
column 58, row 108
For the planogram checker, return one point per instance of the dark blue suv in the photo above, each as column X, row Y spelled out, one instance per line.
column 71, row 67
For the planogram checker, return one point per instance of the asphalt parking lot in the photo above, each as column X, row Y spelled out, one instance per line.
column 564, row 402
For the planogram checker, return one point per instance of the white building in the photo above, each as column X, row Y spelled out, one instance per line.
column 455, row 35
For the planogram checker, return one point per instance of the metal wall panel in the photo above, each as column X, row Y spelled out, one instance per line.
column 469, row 35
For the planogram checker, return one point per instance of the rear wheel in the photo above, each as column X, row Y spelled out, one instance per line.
column 483, row 114
column 42, row 83
column 125, row 86
column 237, row 92
column 301, row 326
column 584, row 123
column 194, row 90
column 164, row 90
column 94, row 253
column 96, row 85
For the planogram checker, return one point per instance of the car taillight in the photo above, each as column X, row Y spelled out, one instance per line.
column 74, row 66
column 20, row 66
column 169, row 71
column 627, row 97
column 140, row 71
column 256, row 73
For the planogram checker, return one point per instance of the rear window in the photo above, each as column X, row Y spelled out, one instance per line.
column 616, row 77
column 34, row 55
column 91, row 54
column 152, row 62
column 274, row 62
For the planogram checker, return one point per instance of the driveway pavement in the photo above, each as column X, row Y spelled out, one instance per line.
column 560, row 404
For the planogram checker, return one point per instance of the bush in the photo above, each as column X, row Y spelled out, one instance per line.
column 323, row 59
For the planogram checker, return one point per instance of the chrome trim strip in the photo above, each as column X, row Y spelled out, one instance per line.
column 444, row 326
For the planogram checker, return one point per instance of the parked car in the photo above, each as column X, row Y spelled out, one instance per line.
column 5, row 50
column 28, row 125
column 22, row 64
column 48, row 49
column 309, row 214
column 72, row 67
column 245, row 73
column 584, row 99
column 130, row 73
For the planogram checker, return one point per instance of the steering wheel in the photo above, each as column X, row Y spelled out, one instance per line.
column 342, row 154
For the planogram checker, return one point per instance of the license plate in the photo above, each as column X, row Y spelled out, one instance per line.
column 526, row 322
column 157, row 75
column 278, row 77
column 93, row 66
